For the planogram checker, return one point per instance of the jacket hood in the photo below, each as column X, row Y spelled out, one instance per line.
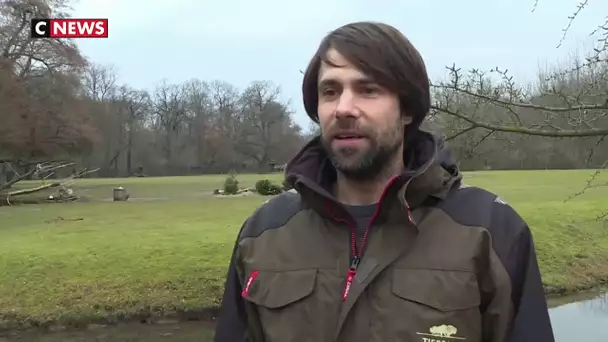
column 430, row 170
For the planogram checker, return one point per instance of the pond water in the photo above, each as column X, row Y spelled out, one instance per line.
column 579, row 318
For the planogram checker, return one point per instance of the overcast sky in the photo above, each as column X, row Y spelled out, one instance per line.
column 240, row 41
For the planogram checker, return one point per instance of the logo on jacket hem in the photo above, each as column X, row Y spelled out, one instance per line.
column 441, row 333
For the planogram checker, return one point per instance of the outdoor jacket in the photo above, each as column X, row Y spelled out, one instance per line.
column 442, row 262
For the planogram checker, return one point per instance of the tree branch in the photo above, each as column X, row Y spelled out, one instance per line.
column 571, row 18
column 570, row 108
column 592, row 132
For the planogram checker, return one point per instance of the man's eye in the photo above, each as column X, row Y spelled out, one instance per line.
column 329, row 92
column 370, row 90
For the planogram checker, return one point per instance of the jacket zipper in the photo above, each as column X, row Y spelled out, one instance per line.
column 356, row 255
column 355, row 258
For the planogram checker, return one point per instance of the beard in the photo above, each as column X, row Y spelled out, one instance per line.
column 365, row 163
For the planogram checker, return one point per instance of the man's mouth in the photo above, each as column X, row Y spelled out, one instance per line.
column 348, row 136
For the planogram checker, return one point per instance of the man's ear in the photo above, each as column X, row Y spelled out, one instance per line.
column 406, row 119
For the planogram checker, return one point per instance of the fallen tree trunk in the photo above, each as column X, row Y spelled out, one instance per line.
column 40, row 169
column 64, row 194
column 32, row 190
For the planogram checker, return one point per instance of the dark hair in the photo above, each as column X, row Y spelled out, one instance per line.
column 384, row 54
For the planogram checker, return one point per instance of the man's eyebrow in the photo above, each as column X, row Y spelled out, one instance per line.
column 328, row 82
column 333, row 82
column 365, row 81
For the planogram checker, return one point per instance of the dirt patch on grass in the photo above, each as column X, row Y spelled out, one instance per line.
column 142, row 199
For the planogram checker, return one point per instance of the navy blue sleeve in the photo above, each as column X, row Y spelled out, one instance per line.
column 531, row 322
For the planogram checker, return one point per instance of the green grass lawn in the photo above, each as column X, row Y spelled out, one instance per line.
column 166, row 250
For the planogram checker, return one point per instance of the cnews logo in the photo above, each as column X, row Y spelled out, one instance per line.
column 69, row 28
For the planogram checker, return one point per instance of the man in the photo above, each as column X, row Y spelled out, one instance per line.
column 380, row 241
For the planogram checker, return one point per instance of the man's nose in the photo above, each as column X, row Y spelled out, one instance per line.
column 346, row 105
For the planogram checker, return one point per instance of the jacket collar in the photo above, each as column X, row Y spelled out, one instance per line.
column 430, row 172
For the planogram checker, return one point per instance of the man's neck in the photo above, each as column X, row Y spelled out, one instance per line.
column 356, row 192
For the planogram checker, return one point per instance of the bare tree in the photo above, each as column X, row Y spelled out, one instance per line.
column 227, row 126
column 135, row 104
column 30, row 57
column 265, row 118
column 99, row 82
column 28, row 68
column 169, row 109
column 200, row 122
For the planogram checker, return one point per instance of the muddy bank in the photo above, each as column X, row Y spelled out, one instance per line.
column 168, row 330
column 203, row 317
column 565, row 291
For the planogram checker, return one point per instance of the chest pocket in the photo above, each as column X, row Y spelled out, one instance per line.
column 441, row 305
column 287, row 304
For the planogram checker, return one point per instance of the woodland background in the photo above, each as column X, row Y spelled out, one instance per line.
column 56, row 105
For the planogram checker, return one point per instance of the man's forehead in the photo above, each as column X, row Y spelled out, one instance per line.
column 336, row 58
column 339, row 70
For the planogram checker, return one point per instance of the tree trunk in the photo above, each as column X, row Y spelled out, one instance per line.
column 3, row 174
column 129, row 158
column 169, row 153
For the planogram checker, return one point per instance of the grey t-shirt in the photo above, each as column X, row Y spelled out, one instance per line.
column 362, row 215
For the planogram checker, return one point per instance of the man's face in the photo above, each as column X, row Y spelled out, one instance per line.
column 361, row 123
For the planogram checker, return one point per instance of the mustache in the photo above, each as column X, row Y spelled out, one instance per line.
column 345, row 126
